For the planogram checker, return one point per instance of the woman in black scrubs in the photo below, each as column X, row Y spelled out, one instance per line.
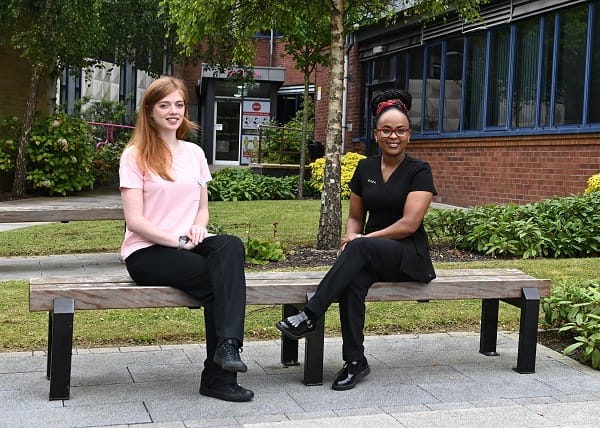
column 385, row 239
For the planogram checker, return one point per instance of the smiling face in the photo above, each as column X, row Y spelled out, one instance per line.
column 168, row 113
column 392, row 132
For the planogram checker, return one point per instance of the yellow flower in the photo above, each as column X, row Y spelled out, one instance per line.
column 593, row 184
column 349, row 161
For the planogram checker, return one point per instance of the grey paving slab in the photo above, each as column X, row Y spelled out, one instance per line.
column 80, row 416
column 380, row 420
column 158, row 385
column 501, row 417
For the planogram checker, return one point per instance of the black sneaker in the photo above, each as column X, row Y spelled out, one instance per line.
column 304, row 329
column 350, row 374
column 231, row 392
column 228, row 357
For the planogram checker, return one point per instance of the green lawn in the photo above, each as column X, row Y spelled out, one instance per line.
column 296, row 225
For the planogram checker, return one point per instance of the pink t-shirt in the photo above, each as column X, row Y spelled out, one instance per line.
column 171, row 205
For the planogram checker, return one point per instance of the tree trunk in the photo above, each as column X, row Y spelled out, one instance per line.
column 20, row 185
column 330, row 222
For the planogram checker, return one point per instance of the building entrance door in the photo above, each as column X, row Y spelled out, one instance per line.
column 227, row 132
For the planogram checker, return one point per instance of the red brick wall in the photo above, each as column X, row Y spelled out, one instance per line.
column 479, row 171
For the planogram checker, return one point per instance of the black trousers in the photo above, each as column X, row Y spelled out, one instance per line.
column 363, row 262
column 213, row 272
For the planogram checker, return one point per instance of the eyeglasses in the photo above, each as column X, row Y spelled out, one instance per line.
column 387, row 132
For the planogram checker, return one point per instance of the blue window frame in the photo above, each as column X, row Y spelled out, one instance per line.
column 540, row 74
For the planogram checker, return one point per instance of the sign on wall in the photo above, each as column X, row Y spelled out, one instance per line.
column 255, row 113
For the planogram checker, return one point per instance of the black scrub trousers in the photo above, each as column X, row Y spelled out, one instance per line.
column 363, row 262
column 213, row 272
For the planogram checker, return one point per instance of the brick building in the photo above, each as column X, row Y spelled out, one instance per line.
column 504, row 110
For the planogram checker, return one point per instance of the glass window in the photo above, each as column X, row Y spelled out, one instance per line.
column 432, row 88
column 474, row 80
column 594, row 105
column 401, row 71
column 383, row 70
column 415, row 87
column 498, row 77
column 526, row 73
column 570, row 77
column 453, row 84
column 547, row 68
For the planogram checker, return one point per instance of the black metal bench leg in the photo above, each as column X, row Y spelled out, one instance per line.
column 530, row 313
column 488, row 336
column 49, row 355
column 313, row 355
column 60, row 348
column 289, row 347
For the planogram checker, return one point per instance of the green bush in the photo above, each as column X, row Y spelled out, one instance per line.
column 281, row 143
column 241, row 184
column 557, row 227
column 9, row 143
column 574, row 307
column 61, row 155
column 263, row 252
column 106, row 162
column 349, row 162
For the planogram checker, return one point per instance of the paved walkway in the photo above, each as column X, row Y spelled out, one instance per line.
column 432, row 380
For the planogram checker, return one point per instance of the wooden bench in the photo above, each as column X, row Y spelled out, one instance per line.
column 61, row 296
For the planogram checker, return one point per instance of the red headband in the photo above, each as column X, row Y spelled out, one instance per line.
column 389, row 103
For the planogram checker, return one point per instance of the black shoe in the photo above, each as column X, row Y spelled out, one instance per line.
column 228, row 357
column 231, row 392
column 350, row 374
column 304, row 329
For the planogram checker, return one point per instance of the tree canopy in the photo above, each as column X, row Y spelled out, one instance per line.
column 54, row 34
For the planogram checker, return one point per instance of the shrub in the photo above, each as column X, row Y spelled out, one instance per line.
column 575, row 307
column 263, row 252
column 9, row 142
column 106, row 162
column 60, row 155
column 349, row 162
column 593, row 184
column 281, row 143
column 241, row 184
column 558, row 227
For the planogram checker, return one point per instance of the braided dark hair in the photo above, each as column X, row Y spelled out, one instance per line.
column 398, row 98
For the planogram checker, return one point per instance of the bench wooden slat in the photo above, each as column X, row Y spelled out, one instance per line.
column 53, row 215
column 268, row 288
